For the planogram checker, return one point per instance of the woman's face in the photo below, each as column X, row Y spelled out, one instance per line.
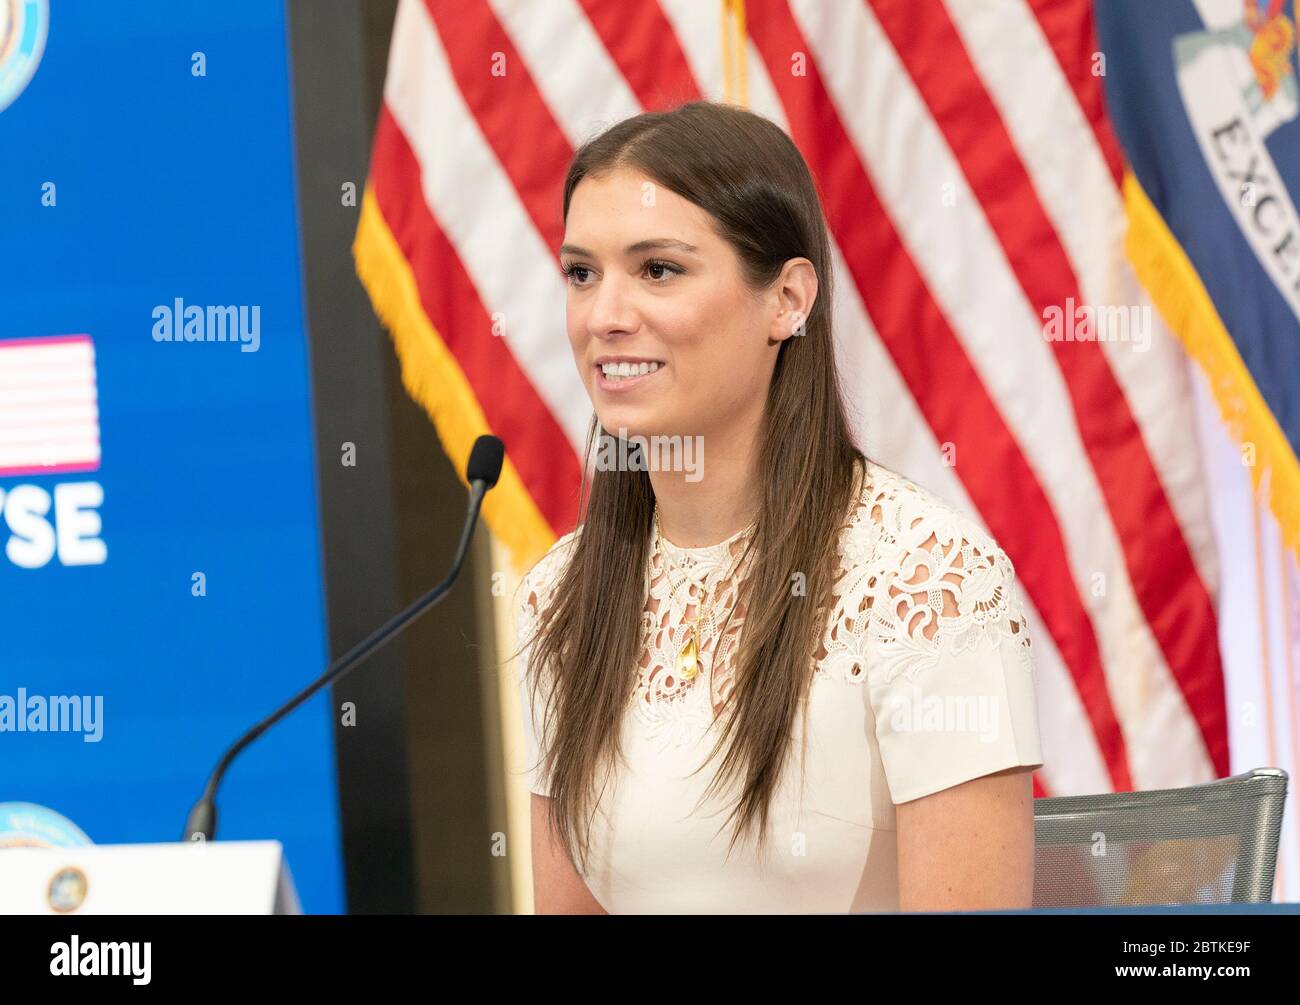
column 653, row 289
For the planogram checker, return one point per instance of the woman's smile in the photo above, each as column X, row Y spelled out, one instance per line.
column 625, row 374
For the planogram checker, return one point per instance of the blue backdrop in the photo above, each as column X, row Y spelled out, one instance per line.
column 129, row 179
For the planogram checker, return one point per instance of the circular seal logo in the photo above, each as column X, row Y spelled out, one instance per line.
column 67, row 889
column 26, row 825
column 23, row 27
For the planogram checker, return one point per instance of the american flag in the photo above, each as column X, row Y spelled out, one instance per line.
column 971, row 183
column 49, row 405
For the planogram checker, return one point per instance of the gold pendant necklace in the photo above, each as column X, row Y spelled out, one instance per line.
column 688, row 657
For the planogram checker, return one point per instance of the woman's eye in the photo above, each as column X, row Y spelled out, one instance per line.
column 572, row 271
column 576, row 274
column 668, row 267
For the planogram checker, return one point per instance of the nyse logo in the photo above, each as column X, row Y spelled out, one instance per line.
column 66, row 525
column 49, row 425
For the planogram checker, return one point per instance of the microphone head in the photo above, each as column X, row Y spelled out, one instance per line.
column 485, row 461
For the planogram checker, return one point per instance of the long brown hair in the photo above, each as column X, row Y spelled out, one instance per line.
column 746, row 172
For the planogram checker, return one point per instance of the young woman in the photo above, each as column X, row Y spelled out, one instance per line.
column 768, row 675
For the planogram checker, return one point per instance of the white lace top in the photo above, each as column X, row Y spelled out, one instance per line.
column 923, row 680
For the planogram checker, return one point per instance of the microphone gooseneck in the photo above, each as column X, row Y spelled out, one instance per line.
column 482, row 472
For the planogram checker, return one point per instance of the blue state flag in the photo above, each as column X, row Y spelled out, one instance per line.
column 1205, row 97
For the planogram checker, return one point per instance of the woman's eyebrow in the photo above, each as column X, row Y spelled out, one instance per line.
column 652, row 244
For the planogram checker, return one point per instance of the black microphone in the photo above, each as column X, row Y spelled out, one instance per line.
column 481, row 472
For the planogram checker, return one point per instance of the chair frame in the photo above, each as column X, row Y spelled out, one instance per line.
column 1154, row 816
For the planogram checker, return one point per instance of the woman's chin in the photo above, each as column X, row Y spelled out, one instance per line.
column 628, row 422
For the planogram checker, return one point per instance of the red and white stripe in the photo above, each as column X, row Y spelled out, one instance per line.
column 970, row 180
column 49, row 405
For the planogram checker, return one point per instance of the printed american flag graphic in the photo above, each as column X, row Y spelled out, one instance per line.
column 49, row 405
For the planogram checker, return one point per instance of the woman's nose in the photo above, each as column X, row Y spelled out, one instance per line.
column 612, row 312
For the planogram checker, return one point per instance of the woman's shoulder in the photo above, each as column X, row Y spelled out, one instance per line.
column 932, row 621
column 892, row 516
column 538, row 581
column 925, row 570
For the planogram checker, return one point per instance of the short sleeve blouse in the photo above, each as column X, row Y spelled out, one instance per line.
column 924, row 680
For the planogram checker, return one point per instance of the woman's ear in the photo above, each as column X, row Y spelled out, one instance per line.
column 796, row 290
column 787, row 324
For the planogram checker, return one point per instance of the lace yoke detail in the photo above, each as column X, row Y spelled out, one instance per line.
column 915, row 579
column 675, row 709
